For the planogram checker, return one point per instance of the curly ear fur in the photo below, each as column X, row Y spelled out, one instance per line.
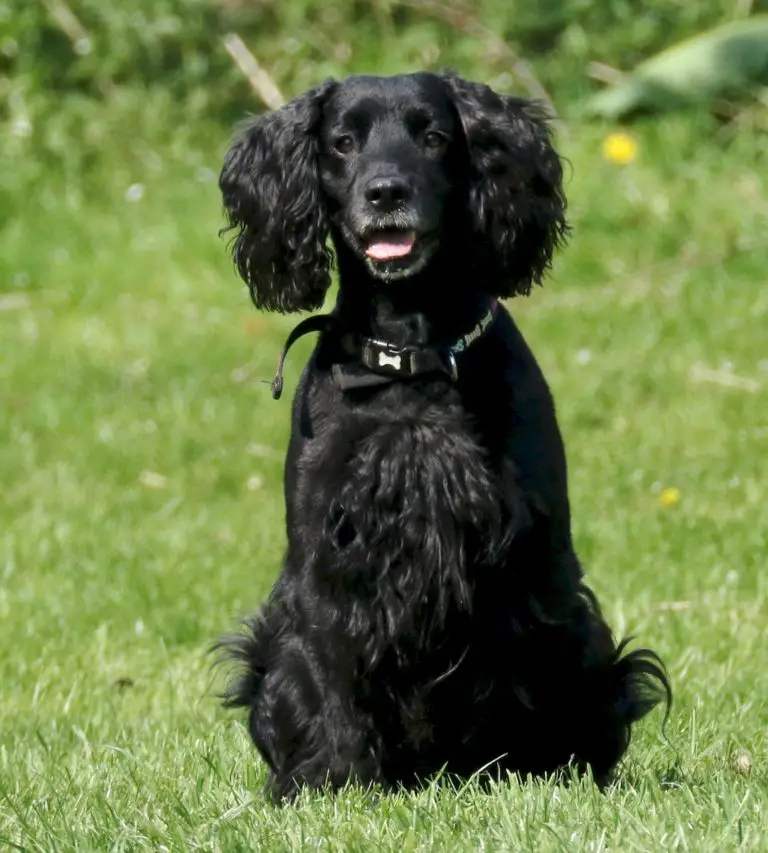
column 272, row 199
column 515, row 182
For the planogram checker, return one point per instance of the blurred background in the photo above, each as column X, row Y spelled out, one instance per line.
column 106, row 99
column 140, row 452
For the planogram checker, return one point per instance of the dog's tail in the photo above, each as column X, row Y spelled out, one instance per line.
column 622, row 687
column 245, row 655
column 644, row 682
column 633, row 684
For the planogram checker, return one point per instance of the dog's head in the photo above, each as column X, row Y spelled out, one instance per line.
column 398, row 170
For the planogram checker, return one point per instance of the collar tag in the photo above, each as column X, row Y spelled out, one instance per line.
column 390, row 360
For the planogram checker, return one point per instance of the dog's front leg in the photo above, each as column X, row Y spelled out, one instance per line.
column 306, row 724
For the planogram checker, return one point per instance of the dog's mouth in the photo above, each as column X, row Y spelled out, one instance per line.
column 389, row 244
column 391, row 252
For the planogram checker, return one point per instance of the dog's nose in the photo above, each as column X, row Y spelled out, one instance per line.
column 387, row 192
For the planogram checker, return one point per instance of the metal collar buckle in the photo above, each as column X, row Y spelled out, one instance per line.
column 383, row 356
column 454, row 368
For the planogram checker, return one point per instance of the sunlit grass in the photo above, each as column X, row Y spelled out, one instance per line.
column 141, row 461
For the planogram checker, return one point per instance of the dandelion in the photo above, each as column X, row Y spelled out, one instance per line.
column 620, row 148
column 669, row 497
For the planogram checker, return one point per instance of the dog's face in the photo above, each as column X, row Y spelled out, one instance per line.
column 385, row 165
column 389, row 164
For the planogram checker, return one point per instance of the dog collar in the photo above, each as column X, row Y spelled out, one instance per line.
column 382, row 361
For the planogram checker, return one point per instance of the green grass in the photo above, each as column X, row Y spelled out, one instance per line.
column 129, row 347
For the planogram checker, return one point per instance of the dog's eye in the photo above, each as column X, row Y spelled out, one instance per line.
column 434, row 140
column 344, row 144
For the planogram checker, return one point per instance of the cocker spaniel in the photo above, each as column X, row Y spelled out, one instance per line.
column 431, row 613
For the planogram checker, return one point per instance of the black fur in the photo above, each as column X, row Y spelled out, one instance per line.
column 431, row 611
column 273, row 198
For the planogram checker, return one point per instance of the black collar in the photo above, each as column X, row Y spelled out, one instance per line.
column 377, row 362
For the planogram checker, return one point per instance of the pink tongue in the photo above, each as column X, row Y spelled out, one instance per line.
column 390, row 244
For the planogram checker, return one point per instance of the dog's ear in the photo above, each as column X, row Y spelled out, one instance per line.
column 272, row 199
column 515, row 179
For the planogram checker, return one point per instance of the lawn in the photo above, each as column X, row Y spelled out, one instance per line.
column 141, row 464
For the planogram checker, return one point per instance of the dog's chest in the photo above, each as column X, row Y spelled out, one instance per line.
column 416, row 490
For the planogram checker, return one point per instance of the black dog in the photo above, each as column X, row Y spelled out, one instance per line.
column 431, row 611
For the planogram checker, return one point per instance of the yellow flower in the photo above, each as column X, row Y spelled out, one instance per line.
column 619, row 148
column 669, row 497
